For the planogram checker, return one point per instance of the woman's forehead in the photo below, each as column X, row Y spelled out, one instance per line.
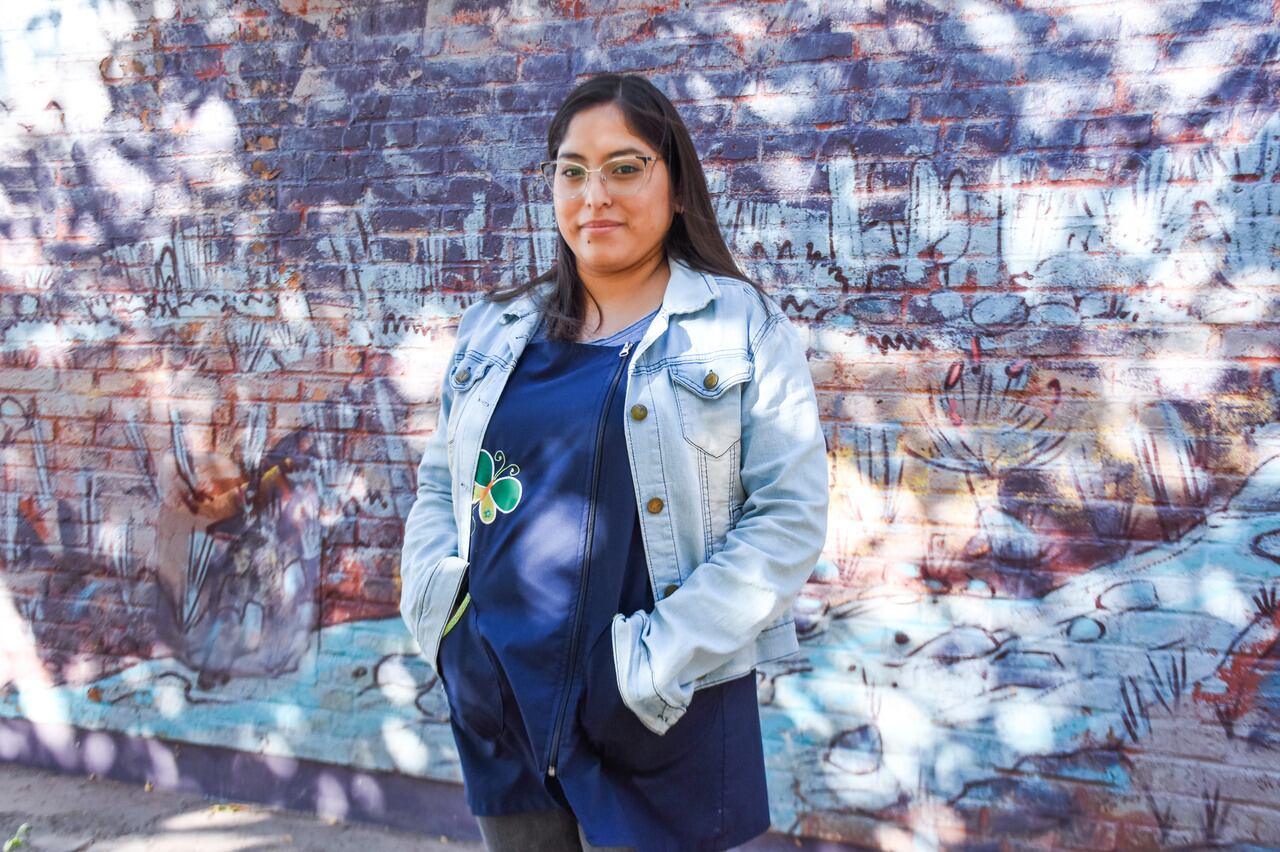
column 601, row 132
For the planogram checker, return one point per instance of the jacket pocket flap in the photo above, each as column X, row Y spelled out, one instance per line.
column 467, row 371
column 710, row 377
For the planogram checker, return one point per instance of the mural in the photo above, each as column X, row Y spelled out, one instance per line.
column 1043, row 337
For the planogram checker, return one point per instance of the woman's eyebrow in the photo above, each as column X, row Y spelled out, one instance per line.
column 569, row 155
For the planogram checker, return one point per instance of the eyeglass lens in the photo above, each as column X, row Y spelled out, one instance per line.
column 622, row 176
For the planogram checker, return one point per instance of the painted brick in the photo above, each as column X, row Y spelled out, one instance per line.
column 884, row 108
column 916, row 71
column 809, row 78
column 706, row 118
column 325, row 167
column 469, row 72
column 966, row 103
column 408, row 105
column 627, row 57
column 874, row 143
column 682, row 85
column 525, row 97
column 812, row 47
column 1068, row 64
column 327, row 110
column 464, row 101
column 757, row 111
column 713, row 54
column 1118, row 130
column 982, row 68
column 743, row 147
column 875, row 310
column 1049, row 133
column 985, row 138
column 803, row 145
column 939, row 307
column 545, row 70
column 545, row 36
column 465, row 39
column 396, row 135
column 902, row 37
column 1003, row 30
column 390, row 18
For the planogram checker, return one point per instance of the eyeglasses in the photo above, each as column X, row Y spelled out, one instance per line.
column 620, row 176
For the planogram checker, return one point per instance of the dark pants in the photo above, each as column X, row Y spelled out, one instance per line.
column 538, row 831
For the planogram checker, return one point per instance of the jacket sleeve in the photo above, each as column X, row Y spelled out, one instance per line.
column 429, row 562
column 727, row 601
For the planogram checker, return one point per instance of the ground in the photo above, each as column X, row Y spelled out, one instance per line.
column 72, row 813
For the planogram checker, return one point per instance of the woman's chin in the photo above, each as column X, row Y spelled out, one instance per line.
column 603, row 262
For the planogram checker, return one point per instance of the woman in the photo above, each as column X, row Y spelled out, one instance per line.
column 625, row 492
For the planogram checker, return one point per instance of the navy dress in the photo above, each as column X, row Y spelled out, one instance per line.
column 528, row 667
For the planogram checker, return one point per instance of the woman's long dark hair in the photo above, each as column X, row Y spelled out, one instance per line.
column 694, row 237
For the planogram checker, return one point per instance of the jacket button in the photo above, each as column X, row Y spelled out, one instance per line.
column 711, row 380
column 654, row 505
column 461, row 374
column 669, row 590
column 639, row 412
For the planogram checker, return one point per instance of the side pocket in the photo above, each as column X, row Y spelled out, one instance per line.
column 457, row 614
column 470, row 676
column 622, row 740
column 602, row 705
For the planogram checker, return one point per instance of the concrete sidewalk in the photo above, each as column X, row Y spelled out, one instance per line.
column 70, row 813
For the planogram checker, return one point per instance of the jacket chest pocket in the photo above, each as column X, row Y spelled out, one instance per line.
column 709, row 399
column 464, row 381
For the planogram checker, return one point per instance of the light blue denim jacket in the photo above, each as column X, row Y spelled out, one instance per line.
column 730, row 470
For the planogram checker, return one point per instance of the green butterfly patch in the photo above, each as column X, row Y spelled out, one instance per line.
column 497, row 489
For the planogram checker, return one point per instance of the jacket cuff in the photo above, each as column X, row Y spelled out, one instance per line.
column 430, row 606
column 636, row 683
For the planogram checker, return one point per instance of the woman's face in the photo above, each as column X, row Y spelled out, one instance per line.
column 608, row 232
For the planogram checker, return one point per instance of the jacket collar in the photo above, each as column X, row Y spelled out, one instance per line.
column 687, row 291
column 523, row 305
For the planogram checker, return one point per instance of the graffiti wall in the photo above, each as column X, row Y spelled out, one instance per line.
column 1033, row 249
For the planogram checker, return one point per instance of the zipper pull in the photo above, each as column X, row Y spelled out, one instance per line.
column 626, row 349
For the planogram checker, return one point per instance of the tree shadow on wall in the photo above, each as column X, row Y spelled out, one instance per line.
column 1026, row 503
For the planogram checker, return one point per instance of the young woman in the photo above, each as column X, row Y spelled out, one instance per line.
column 626, row 490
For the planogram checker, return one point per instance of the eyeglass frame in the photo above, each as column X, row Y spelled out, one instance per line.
column 604, row 181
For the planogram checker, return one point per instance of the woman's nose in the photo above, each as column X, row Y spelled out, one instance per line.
column 595, row 184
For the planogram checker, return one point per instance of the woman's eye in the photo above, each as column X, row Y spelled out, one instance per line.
column 624, row 169
column 572, row 172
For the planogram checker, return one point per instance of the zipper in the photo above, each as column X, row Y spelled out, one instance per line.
column 586, row 563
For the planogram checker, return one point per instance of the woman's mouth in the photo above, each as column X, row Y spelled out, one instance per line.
column 600, row 226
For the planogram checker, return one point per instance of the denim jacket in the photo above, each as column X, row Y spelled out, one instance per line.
column 730, row 470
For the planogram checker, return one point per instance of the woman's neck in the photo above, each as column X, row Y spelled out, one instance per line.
column 619, row 298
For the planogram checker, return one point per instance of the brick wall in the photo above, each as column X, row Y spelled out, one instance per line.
column 1033, row 250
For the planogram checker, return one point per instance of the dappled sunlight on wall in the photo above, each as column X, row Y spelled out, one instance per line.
column 1033, row 252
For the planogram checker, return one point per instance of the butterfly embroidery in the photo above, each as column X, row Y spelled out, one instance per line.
column 496, row 488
